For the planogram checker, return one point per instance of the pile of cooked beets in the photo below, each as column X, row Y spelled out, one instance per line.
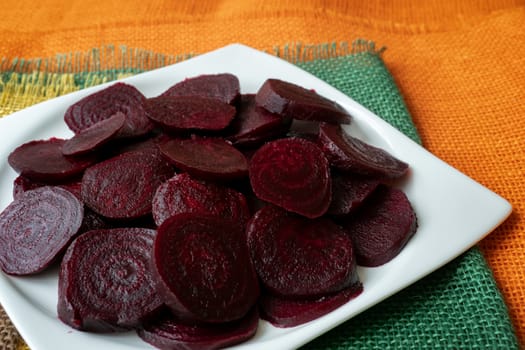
column 191, row 215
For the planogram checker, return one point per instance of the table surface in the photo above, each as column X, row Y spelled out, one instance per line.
column 459, row 65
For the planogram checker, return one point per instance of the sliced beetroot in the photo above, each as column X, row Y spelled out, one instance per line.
column 299, row 257
column 203, row 268
column 94, row 136
column 211, row 158
column 22, row 184
column 105, row 282
column 182, row 194
column 349, row 153
column 119, row 97
column 305, row 129
column 382, row 226
column 36, row 227
column 285, row 312
column 225, row 87
column 294, row 174
column 349, row 191
column 169, row 333
column 181, row 113
column 42, row 160
column 253, row 125
column 294, row 101
column 123, row 187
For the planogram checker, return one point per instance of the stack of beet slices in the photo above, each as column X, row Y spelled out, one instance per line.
column 191, row 215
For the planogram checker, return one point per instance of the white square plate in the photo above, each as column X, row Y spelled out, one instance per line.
column 454, row 212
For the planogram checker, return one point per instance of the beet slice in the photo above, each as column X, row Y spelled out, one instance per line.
column 294, row 101
column 224, row 86
column 169, row 333
column 22, row 184
column 203, row 268
column 294, row 174
column 348, row 153
column 283, row 312
column 182, row 194
column 210, row 158
column 181, row 113
column 42, row 160
column 253, row 125
column 299, row 257
column 382, row 226
column 123, row 187
column 349, row 191
column 36, row 227
column 91, row 138
column 119, row 97
column 105, row 280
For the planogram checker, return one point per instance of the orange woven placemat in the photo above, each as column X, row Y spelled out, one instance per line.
column 460, row 66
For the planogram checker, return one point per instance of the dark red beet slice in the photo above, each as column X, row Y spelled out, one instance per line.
column 294, row 101
column 180, row 113
column 182, row 194
column 382, row 226
column 348, row 153
column 283, row 312
column 299, row 257
column 119, row 97
column 36, row 227
column 224, row 87
column 91, row 138
column 294, row 174
column 210, row 158
column 203, row 268
column 349, row 191
column 123, row 187
column 43, row 160
column 254, row 125
column 105, row 282
column 304, row 129
column 169, row 333
column 22, row 184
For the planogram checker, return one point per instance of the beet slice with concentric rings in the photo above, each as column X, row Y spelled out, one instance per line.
column 209, row 158
column 169, row 333
column 182, row 113
column 182, row 194
column 36, row 227
column 382, row 226
column 294, row 174
column 42, row 160
column 93, row 137
column 119, row 97
column 105, row 282
column 224, row 86
column 351, row 154
column 299, row 257
column 294, row 101
column 203, row 268
column 123, row 187
column 285, row 312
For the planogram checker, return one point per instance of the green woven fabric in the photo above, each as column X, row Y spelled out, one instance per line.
column 457, row 307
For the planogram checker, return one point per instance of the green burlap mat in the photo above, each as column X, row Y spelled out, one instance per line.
column 457, row 307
